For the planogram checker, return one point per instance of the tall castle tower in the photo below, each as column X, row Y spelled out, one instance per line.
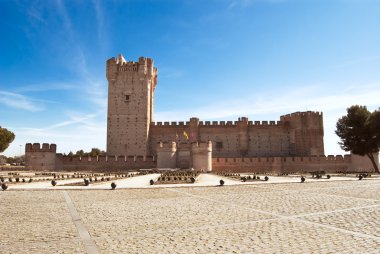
column 131, row 88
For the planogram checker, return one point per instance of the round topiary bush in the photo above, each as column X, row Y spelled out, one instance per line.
column 17, row 179
column 302, row 179
column 328, row 176
column 192, row 179
column 2, row 179
column 244, row 178
column 53, row 182
column 30, row 180
column 113, row 185
column 360, row 177
column 151, row 182
column 10, row 179
column 4, row 186
column 266, row 178
column 221, row 182
column 86, row 182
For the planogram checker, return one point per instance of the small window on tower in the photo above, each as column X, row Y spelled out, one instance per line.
column 218, row 145
column 126, row 97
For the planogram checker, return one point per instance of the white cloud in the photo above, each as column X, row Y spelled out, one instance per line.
column 19, row 101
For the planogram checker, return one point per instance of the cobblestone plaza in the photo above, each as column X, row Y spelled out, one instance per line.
column 313, row 217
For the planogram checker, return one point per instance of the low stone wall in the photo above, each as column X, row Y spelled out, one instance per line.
column 329, row 164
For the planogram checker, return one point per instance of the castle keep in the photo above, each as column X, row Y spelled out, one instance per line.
column 134, row 140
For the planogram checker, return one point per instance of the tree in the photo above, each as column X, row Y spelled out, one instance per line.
column 94, row 152
column 80, row 153
column 360, row 133
column 6, row 137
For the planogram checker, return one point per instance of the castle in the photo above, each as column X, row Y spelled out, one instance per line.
column 135, row 141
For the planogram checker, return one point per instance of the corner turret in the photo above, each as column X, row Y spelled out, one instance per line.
column 306, row 133
column 40, row 158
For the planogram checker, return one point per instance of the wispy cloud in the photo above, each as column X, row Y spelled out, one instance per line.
column 246, row 3
column 19, row 101
column 49, row 86
column 99, row 20
column 78, row 131
column 88, row 81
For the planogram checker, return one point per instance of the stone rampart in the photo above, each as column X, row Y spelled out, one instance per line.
column 329, row 164
column 105, row 163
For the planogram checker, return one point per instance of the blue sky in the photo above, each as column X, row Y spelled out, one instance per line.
column 217, row 60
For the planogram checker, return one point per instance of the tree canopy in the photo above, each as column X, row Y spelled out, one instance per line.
column 6, row 137
column 94, row 152
column 359, row 132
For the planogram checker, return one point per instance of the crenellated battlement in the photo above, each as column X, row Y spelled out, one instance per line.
column 299, row 114
column 104, row 159
column 36, row 147
column 119, row 65
column 217, row 123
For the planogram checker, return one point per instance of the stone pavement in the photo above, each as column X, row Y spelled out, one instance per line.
column 313, row 217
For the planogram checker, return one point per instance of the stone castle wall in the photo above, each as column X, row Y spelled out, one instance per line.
column 297, row 134
column 104, row 163
column 45, row 158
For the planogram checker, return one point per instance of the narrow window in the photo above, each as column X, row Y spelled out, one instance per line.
column 126, row 97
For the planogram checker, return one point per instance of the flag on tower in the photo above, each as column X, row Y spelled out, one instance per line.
column 185, row 134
